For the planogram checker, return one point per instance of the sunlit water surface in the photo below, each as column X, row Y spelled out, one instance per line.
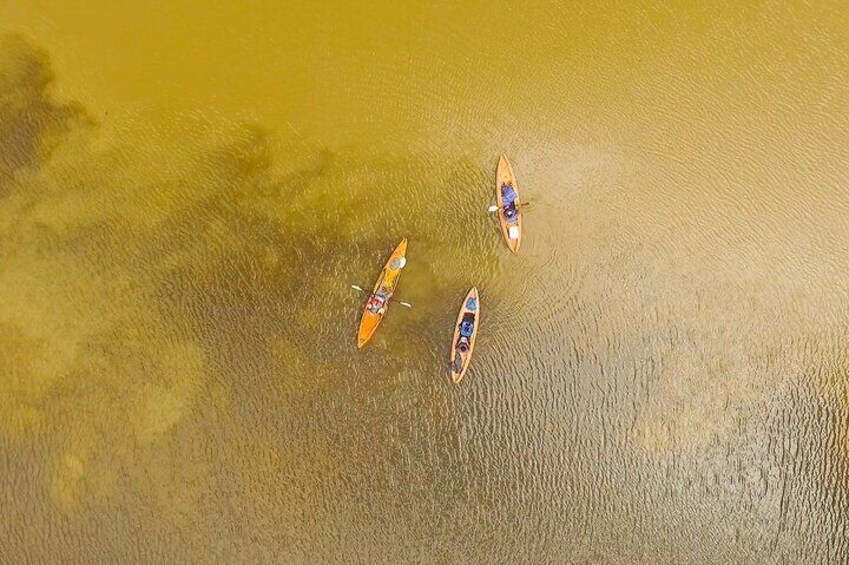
column 661, row 372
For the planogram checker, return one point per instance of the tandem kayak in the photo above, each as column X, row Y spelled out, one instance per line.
column 509, row 204
column 465, row 332
column 378, row 301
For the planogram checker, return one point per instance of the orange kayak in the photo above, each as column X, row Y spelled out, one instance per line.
column 379, row 299
column 465, row 333
column 509, row 215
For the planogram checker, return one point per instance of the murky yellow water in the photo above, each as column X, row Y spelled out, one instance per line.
column 662, row 374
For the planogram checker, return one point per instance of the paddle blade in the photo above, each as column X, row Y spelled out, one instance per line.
column 492, row 209
column 407, row 304
column 355, row 287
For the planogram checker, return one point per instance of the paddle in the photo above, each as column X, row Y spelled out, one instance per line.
column 407, row 304
column 494, row 208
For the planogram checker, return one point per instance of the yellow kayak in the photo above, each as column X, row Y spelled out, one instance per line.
column 509, row 204
column 465, row 333
column 378, row 301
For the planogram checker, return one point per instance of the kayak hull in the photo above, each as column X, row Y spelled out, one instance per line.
column 386, row 283
column 458, row 360
column 512, row 232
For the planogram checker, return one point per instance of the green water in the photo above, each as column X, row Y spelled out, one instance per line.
column 188, row 191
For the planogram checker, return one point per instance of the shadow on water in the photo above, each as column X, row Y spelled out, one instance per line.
column 32, row 124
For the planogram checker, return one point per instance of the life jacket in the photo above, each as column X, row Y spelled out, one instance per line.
column 467, row 328
column 508, row 195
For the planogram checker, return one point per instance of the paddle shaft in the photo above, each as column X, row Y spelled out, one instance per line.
column 494, row 208
column 370, row 294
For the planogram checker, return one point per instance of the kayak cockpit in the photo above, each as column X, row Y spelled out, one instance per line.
column 509, row 203
column 467, row 326
column 377, row 304
column 466, row 330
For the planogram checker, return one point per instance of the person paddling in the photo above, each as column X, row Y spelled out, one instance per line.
column 508, row 199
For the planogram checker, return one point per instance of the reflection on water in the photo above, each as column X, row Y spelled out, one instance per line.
column 662, row 373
